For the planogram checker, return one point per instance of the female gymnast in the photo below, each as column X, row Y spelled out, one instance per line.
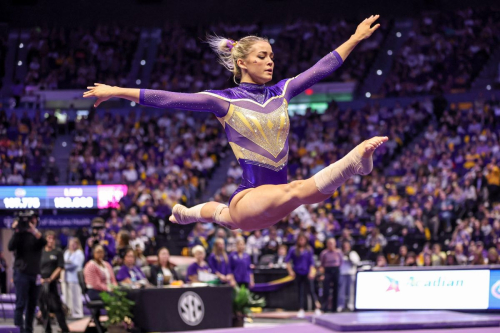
column 255, row 119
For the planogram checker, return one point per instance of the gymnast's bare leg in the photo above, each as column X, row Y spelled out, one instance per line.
column 263, row 206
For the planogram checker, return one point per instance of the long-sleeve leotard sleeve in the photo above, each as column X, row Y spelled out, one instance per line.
column 183, row 101
column 326, row 66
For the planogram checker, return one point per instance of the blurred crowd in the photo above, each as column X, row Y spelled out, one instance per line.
column 71, row 58
column 3, row 55
column 26, row 144
column 445, row 52
column 442, row 191
column 166, row 158
column 184, row 63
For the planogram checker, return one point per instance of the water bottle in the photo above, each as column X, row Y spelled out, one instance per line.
column 134, row 280
column 159, row 280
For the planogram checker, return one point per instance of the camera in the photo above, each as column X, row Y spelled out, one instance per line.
column 97, row 224
column 24, row 218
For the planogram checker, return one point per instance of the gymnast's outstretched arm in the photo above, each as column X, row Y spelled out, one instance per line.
column 160, row 98
column 333, row 60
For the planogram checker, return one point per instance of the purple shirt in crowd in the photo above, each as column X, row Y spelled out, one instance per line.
column 220, row 265
column 331, row 258
column 109, row 248
column 130, row 273
column 194, row 268
column 114, row 228
column 302, row 262
column 240, row 266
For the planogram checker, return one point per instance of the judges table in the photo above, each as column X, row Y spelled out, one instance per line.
column 284, row 297
column 181, row 309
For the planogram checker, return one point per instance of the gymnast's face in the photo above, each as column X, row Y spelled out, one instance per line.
column 259, row 64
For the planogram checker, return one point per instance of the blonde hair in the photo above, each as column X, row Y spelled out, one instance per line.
column 218, row 252
column 198, row 248
column 229, row 51
column 77, row 241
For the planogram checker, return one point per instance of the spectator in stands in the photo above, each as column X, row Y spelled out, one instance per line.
column 279, row 260
column 353, row 208
column 381, row 261
column 330, row 261
column 52, row 265
column 193, row 271
column 140, row 258
column 234, row 171
column 163, row 267
column 477, row 258
column 403, row 253
column 129, row 274
column 114, row 223
column 348, row 269
column 375, row 242
column 134, row 217
column 241, row 265
column 346, row 236
column 218, row 261
column 231, row 240
column 198, row 236
column 427, row 260
column 493, row 257
column 122, row 244
column 73, row 263
column 99, row 275
column 301, row 266
column 100, row 236
column 137, row 241
column 438, row 257
column 272, row 242
column 493, row 179
column 460, row 257
column 146, row 228
column 255, row 244
column 411, row 259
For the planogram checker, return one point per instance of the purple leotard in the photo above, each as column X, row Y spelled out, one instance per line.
column 255, row 118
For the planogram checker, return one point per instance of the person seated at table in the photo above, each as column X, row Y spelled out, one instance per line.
column 241, row 265
column 129, row 274
column 140, row 258
column 122, row 244
column 164, row 267
column 99, row 275
column 219, row 262
column 279, row 260
column 199, row 265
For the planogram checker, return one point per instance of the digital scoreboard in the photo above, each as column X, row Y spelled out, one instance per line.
column 61, row 197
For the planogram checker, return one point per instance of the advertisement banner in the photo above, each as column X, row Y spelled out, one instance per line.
column 424, row 290
column 494, row 289
column 61, row 197
column 58, row 221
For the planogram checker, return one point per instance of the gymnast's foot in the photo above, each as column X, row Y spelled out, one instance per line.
column 364, row 160
column 367, row 147
column 179, row 215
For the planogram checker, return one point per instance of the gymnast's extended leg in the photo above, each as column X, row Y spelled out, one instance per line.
column 263, row 206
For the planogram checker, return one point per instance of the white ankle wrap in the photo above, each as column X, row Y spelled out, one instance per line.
column 185, row 215
column 332, row 177
column 219, row 219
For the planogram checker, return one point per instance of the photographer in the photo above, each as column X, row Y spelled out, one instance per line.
column 99, row 236
column 27, row 244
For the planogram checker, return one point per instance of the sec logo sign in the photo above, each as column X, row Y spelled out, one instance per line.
column 191, row 308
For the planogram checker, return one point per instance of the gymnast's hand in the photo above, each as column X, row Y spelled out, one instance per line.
column 364, row 29
column 103, row 92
